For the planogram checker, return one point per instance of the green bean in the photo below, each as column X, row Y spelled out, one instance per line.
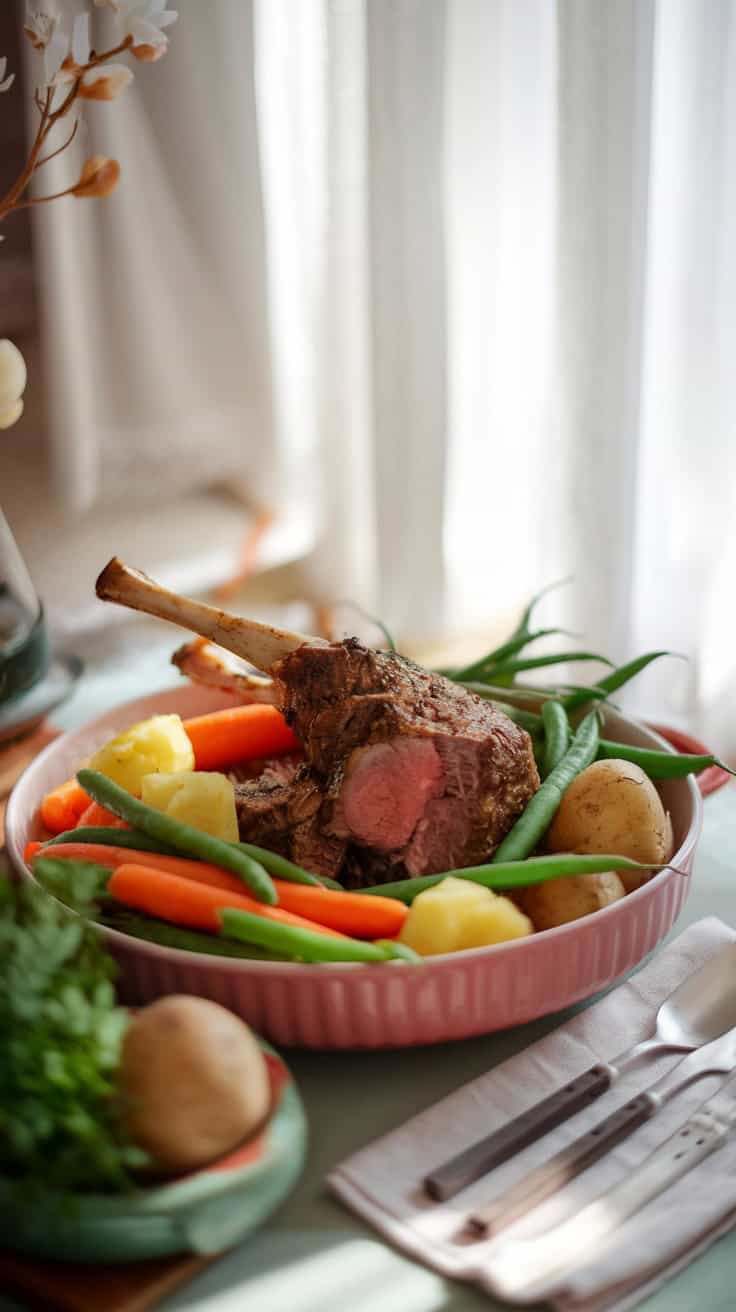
column 505, row 652
column 616, row 679
column 521, row 693
column 292, row 941
column 539, row 662
column 523, row 625
column 111, row 837
column 171, row 936
column 556, row 734
column 135, row 838
column 185, row 838
column 538, row 813
column 279, row 866
column 398, row 951
column 660, row 765
column 526, row 692
column 509, row 874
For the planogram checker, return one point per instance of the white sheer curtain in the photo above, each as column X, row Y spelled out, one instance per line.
column 457, row 275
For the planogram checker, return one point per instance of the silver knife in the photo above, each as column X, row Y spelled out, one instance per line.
column 716, row 1058
column 537, row 1266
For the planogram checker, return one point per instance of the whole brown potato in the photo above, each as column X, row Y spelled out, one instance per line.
column 613, row 806
column 193, row 1080
column 558, row 900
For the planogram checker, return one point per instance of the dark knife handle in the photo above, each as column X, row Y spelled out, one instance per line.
column 537, row 1185
column 452, row 1176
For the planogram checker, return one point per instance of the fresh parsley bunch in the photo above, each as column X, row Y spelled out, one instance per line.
column 60, row 1042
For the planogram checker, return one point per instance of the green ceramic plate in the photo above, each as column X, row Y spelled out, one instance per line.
column 204, row 1212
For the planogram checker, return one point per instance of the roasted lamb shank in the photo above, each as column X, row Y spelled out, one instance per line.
column 404, row 771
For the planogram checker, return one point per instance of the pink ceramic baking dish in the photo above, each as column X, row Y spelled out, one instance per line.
column 392, row 1005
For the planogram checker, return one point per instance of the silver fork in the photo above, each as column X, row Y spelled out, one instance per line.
column 717, row 1058
column 701, row 1009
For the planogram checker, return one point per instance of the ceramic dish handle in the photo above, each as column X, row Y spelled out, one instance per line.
column 564, row 1166
column 476, row 1161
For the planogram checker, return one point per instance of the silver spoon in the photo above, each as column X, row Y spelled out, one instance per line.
column 701, row 1009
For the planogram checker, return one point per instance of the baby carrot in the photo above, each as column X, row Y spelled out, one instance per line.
column 172, row 833
column 383, row 918
column 99, row 817
column 114, row 855
column 359, row 916
column 193, row 905
column 63, row 806
column 239, row 733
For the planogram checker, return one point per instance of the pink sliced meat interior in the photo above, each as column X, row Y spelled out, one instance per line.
column 387, row 787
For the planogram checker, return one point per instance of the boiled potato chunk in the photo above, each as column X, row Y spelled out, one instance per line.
column 193, row 1081
column 557, row 901
column 458, row 914
column 156, row 745
column 204, row 800
column 614, row 807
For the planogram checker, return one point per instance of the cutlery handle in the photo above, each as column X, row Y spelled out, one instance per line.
column 453, row 1175
column 536, row 1268
column 537, row 1185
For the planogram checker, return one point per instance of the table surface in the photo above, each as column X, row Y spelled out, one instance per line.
column 314, row 1255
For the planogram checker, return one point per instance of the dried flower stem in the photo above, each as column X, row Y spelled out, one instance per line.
column 49, row 118
column 59, row 149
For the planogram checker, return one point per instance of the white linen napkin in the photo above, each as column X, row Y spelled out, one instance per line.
column 382, row 1182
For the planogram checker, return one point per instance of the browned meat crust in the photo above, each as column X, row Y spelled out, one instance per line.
column 345, row 697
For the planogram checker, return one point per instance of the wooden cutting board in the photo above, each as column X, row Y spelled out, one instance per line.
column 73, row 1287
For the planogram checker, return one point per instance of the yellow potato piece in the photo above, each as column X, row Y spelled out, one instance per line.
column 205, row 800
column 496, row 921
column 458, row 913
column 158, row 745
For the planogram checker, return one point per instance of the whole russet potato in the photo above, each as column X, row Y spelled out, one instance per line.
column 557, row 901
column 613, row 806
column 193, row 1081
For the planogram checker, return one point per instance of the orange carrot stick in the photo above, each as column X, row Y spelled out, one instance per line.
column 346, row 911
column 30, row 851
column 105, row 854
column 194, row 905
column 61, row 808
column 239, row 733
column 357, row 915
column 99, row 817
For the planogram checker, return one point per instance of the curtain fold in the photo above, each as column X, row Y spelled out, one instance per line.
column 605, row 57
column 453, row 277
column 155, row 306
column 406, row 79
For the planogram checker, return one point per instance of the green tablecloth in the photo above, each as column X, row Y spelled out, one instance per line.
column 313, row 1255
